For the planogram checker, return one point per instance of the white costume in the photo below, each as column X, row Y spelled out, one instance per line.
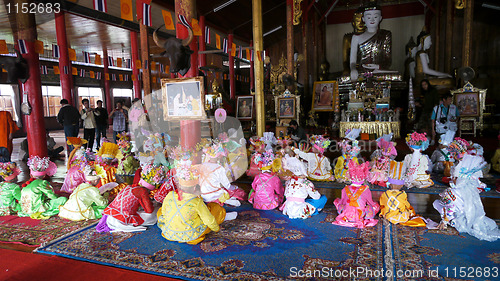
column 418, row 165
column 461, row 206
column 214, row 183
column 297, row 189
column 440, row 155
column 318, row 166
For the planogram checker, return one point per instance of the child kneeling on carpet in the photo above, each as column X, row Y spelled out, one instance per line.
column 86, row 201
column 123, row 213
column 184, row 217
column 394, row 205
column 38, row 200
column 318, row 165
column 356, row 207
column 350, row 150
column 267, row 190
column 460, row 206
column 297, row 189
column 10, row 192
column 418, row 165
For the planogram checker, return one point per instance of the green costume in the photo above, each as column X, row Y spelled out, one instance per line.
column 10, row 193
column 39, row 201
column 84, row 203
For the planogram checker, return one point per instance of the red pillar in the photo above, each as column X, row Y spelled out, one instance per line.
column 202, row 58
column 135, row 57
column 35, row 125
column 107, row 89
column 62, row 42
column 232, row 87
column 190, row 129
column 252, row 75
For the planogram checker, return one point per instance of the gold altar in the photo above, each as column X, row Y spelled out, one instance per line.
column 373, row 127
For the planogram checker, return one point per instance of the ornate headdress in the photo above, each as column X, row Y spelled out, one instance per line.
column 294, row 165
column 76, row 141
column 387, row 148
column 41, row 166
column 186, row 173
column 475, row 149
column 458, row 148
column 447, row 138
column 397, row 171
column 108, row 150
column 9, row 170
column 90, row 173
column 124, row 143
column 371, row 5
column 151, row 175
column 319, row 142
column 358, row 173
column 284, row 142
column 417, row 141
column 256, row 142
column 213, row 151
column 269, row 139
column 264, row 160
column 349, row 145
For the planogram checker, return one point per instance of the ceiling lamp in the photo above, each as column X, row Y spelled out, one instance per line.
column 271, row 31
column 224, row 5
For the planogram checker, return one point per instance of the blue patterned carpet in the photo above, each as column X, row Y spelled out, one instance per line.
column 257, row 245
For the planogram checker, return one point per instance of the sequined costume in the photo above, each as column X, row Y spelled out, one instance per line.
column 267, row 191
column 318, row 165
column 376, row 50
column 356, row 207
column 394, row 207
column 39, row 201
column 10, row 194
column 341, row 170
column 125, row 206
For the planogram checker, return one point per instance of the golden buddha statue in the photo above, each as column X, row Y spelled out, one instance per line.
column 217, row 95
column 422, row 69
column 359, row 27
column 371, row 51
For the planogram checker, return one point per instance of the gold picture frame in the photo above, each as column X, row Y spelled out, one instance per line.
column 468, row 104
column 183, row 98
column 287, row 108
column 324, row 95
column 244, row 108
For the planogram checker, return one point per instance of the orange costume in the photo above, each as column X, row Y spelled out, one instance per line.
column 9, row 127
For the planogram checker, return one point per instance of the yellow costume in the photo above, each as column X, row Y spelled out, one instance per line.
column 394, row 207
column 341, row 171
column 188, row 220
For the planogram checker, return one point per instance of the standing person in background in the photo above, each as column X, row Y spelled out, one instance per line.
column 7, row 129
column 89, row 123
column 429, row 97
column 101, row 120
column 444, row 117
column 69, row 117
column 120, row 119
column 297, row 133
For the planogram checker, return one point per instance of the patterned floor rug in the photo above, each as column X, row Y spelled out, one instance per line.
column 258, row 245
column 421, row 254
column 27, row 231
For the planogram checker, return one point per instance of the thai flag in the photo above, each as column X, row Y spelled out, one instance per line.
column 98, row 75
column 125, row 77
column 129, row 63
column 224, row 45
column 162, row 68
column 207, row 35
column 44, row 70
column 184, row 21
column 23, row 49
column 110, row 61
column 100, row 5
column 65, row 69
column 86, row 57
column 146, row 14
column 55, row 51
column 113, row 77
column 82, row 72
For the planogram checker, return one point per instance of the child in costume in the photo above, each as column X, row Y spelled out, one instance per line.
column 258, row 146
column 10, row 192
column 184, row 217
column 350, row 151
column 297, row 189
column 104, row 168
column 460, row 206
column 75, row 175
column 86, row 201
column 267, row 190
column 123, row 213
column 234, row 158
column 38, row 200
column 394, row 205
column 380, row 165
column 127, row 164
column 441, row 158
column 418, row 165
column 356, row 207
column 318, row 165
column 214, row 183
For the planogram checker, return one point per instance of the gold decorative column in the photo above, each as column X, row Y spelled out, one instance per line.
column 289, row 36
column 450, row 10
column 258, row 66
column 467, row 41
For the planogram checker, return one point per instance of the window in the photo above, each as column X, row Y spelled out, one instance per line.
column 124, row 95
column 6, row 99
column 93, row 94
column 51, row 100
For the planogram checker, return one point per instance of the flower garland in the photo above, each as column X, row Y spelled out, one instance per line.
column 457, row 148
column 417, row 140
column 153, row 174
column 7, row 169
column 38, row 164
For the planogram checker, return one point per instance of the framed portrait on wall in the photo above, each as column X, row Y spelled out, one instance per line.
column 467, row 103
column 244, row 108
column 286, row 108
column 324, row 95
column 183, row 98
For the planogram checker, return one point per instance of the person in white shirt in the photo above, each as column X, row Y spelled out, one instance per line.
column 89, row 124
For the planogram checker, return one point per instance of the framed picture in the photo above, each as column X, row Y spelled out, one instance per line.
column 183, row 98
column 286, row 108
column 244, row 108
column 324, row 95
column 467, row 103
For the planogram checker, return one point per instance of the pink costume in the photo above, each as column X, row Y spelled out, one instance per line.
column 75, row 175
column 380, row 165
column 267, row 191
column 356, row 207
